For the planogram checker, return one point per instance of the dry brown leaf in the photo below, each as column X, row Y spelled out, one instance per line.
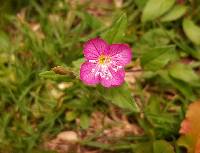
column 112, row 126
column 118, row 3
column 64, row 142
column 133, row 73
column 68, row 136
column 190, row 129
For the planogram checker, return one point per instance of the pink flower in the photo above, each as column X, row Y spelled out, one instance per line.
column 104, row 63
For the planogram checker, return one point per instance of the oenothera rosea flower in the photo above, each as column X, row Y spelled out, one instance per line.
column 104, row 63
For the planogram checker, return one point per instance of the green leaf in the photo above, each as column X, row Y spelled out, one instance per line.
column 156, row 8
column 158, row 146
column 183, row 87
column 185, row 73
column 92, row 21
column 156, row 58
column 116, row 32
column 82, row 104
column 153, row 106
column 48, row 74
column 141, row 149
column 162, row 146
column 77, row 65
column 192, row 31
column 53, row 75
column 5, row 42
column 157, row 36
column 84, row 121
column 140, row 3
column 71, row 115
column 120, row 96
column 177, row 12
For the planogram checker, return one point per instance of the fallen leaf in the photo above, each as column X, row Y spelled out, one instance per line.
column 190, row 129
column 112, row 127
column 64, row 142
column 69, row 136
column 185, row 127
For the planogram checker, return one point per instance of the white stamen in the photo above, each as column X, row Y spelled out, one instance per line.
column 93, row 61
column 115, row 67
column 118, row 56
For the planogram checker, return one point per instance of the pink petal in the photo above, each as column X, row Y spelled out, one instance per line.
column 94, row 47
column 116, row 79
column 87, row 73
column 120, row 53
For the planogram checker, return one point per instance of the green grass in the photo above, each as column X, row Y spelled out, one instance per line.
column 47, row 33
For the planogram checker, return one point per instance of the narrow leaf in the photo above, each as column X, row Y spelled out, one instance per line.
column 116, row 32
column 52, row 75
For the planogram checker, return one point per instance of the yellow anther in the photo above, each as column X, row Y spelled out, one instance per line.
column 103, row 59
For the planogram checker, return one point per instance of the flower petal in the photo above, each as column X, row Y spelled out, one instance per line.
column 120, row 53
column 116, row 79
column 94, row 47
column 88, row 73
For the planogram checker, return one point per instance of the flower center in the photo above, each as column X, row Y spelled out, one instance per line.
column 104, row 59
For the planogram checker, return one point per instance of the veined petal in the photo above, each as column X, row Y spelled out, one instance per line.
column 88, row 73
column 116, row 79
column 120, row 54
column 94, row 48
